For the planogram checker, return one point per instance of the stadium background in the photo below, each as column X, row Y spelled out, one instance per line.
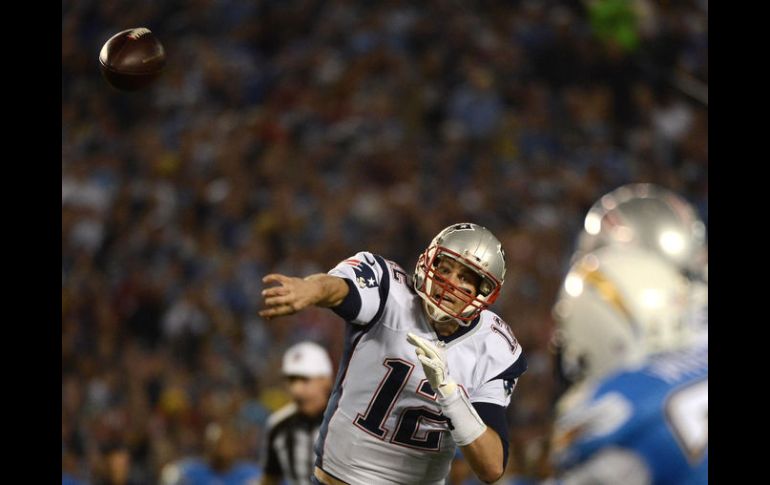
column 287, row 135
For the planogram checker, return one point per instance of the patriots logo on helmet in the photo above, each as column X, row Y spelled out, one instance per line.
column 365, row 277
column 464, row 226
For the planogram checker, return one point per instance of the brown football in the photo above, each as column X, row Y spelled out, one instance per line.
column 132, row 59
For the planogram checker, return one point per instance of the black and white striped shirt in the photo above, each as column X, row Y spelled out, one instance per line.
column 290, row 440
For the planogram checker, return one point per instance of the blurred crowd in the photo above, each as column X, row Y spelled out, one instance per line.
column 285, row 135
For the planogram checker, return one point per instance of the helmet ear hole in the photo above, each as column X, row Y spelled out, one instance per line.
column 485, row 287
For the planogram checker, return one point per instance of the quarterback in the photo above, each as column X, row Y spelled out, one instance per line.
column 426, row 366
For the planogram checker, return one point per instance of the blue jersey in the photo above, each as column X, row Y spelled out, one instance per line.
column 67, row 479
column 197, row 472
column 654, row 418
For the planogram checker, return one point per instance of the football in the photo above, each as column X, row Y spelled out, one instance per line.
column 132, row 59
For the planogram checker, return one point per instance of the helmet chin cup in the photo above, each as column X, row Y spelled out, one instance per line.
column 438, row 315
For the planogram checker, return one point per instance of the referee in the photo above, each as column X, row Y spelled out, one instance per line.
column 293, row 429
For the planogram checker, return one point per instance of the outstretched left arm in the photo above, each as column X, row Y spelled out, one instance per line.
column 294, row 294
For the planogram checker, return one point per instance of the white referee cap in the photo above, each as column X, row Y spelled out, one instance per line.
column 306, row 359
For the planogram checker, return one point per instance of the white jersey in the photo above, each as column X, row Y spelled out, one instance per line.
column 382, row 424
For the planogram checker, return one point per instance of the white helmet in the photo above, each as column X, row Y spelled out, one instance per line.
column 473, row 246
column 652, row 217
column 617, row 305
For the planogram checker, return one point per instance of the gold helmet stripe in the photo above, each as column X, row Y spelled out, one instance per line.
column 605, row 287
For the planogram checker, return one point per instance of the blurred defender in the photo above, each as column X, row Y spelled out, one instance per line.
column 396, row 417
column 292, row 430
column 651, row 217
column 659, row 220
column 637, row 412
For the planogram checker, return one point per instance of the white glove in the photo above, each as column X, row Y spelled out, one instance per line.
column 465, row 423
column 434, row 364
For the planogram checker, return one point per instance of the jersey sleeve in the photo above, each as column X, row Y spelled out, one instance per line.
column 368, row 281
column 499, row 370
column 494, row 417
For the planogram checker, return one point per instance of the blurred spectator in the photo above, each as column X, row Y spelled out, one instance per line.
column 112, row 465
column 70, row 468
column 221, row 462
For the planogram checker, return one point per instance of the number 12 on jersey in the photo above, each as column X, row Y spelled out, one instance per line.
column 380, row 407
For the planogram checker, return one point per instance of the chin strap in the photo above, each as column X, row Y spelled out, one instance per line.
column 438, row 315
